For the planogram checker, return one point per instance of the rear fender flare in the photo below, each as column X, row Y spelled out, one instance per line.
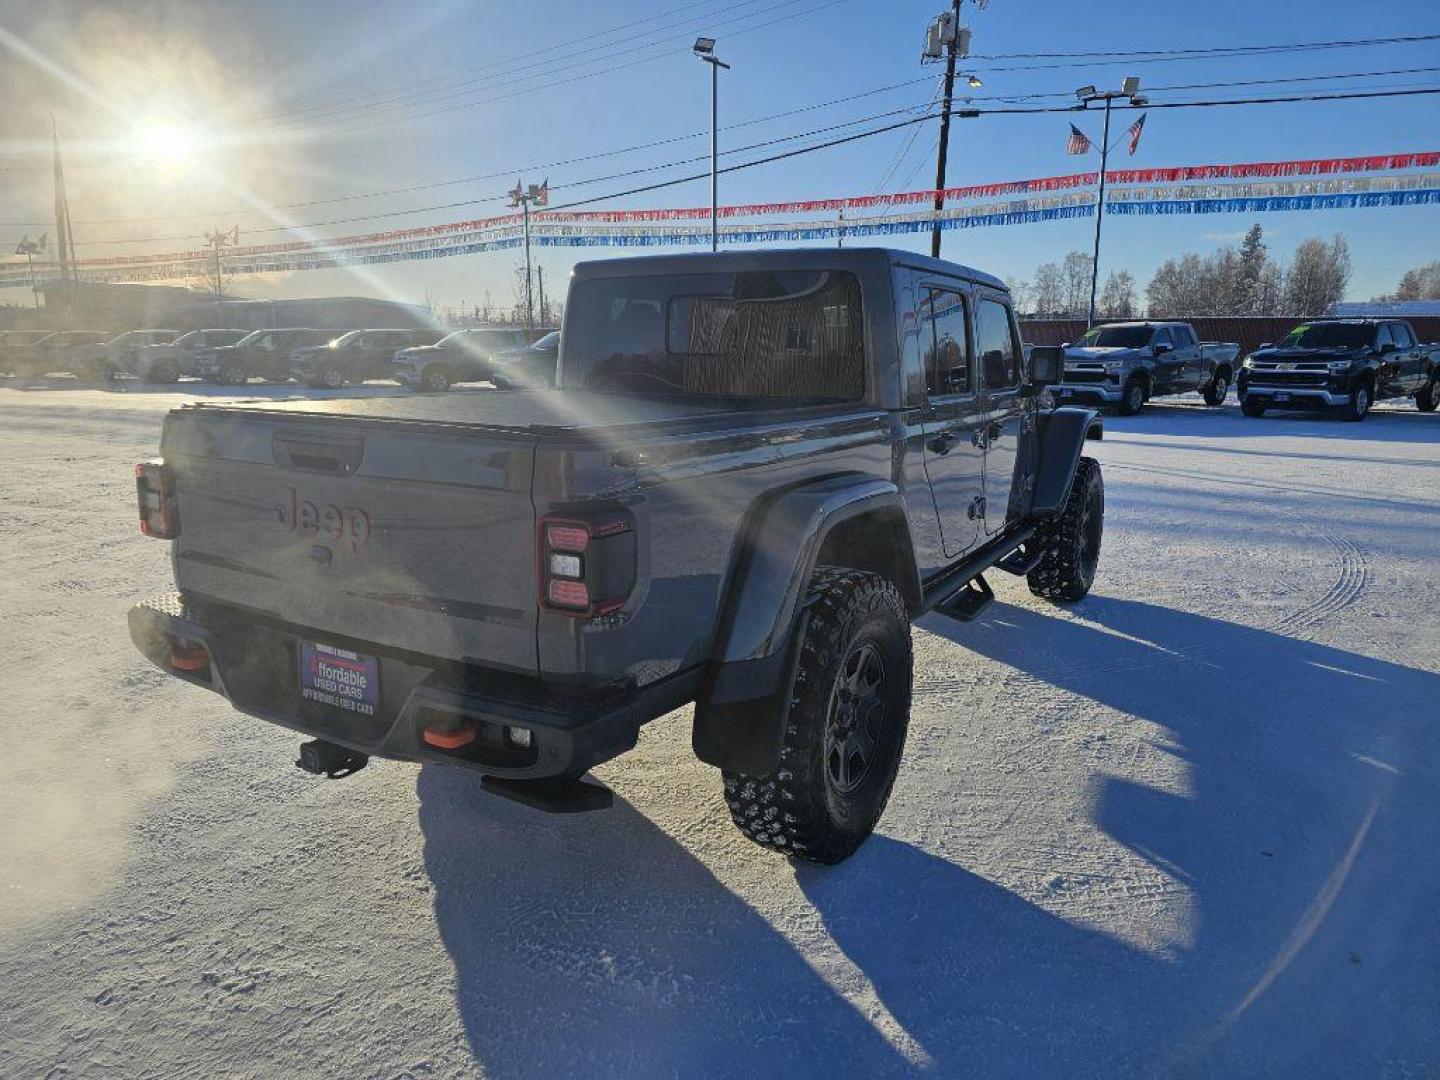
column 740, row 712
column 1062, row 440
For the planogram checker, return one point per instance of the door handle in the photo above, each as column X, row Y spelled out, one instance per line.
column 941, row 443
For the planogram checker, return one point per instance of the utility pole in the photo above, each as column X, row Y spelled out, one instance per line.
column 521, row 196
column 947, row 35
column 540, row 280
column 704, row 48
column 1130, row 88
column 218, row 239
column 64, row 236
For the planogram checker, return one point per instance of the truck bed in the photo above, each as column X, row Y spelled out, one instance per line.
column 534, row 411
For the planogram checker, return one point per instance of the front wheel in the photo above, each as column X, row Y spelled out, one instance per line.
column 845, row 724
column 1214, row 393
column 1359, row 405
column 435, row 377
column 1071, row 539
column 1133, row 399
column 329, row 377
column 234, row 375
column 1427, row 399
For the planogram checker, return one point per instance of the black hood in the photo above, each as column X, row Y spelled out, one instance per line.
column 1304, row 356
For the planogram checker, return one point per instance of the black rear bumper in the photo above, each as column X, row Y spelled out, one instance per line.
column 254, row 663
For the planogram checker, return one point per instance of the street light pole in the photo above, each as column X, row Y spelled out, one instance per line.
column 705, row 49
column 1099, row 214
column 522, row 197
column 1130, row 89
column 221, row 238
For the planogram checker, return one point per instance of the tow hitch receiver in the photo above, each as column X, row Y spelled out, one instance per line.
column 323, row 758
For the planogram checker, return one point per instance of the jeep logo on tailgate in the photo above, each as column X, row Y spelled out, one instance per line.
column 340, row 524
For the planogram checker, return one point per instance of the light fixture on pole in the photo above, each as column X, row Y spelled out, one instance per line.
column 30, row 248
column 221, row 238
column 1129, row 89
column 945, row 37
column 705, row 49
column 523, row 197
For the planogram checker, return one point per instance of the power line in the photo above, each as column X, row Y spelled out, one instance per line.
column 412, row 188
column 964, row 113
column 545, row 72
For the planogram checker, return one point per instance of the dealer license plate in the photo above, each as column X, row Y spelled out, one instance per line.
column 339, row 678
column 1066, row 393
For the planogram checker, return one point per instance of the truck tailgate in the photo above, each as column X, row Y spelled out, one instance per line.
column 411, row 538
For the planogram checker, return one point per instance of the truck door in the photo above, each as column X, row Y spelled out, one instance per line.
column 1169, row 377
column 1410, row 357
column 1198, row 367
column 1390, row 377
column 954, row 454
column 998, row 345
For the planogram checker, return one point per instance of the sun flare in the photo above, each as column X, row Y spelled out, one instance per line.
column 166, row 143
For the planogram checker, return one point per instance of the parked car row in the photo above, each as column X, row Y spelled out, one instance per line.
column 420, row 359
column 1344, row 365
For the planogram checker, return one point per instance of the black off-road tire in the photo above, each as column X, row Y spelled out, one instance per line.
column 234, row 374
column 1427, row 399
column 817, row 804
column 1361, row 400
column 1252, row 408
column 1216, row 389
column 1071, row 539
column 328, row 377
column 1132, row 399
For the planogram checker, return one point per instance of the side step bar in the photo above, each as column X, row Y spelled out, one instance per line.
column 969, row 601
column 1022, row 560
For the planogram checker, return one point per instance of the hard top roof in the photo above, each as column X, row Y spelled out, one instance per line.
column 855, row 259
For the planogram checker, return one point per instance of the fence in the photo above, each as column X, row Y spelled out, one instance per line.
column 1251, row 333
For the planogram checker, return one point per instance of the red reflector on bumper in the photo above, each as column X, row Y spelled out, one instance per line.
column 189, row 658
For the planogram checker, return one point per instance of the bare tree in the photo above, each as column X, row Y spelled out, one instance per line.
column 1019, row 293
column 1117, row 298
column 1421, row 283
column 1075, row 273
column 1048, row 292
column 1318, row 276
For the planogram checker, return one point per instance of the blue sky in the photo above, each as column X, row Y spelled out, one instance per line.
column 238, row 70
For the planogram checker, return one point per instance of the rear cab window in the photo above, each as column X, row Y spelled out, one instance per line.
column 774, row 334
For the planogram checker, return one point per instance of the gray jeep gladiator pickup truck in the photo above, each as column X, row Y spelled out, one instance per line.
column 755, row 471
column 1126, row 364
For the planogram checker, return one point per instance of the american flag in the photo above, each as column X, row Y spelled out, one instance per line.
column 1078, row 143
column 1135, row 130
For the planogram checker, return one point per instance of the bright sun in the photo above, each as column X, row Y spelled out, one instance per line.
column 171, row 145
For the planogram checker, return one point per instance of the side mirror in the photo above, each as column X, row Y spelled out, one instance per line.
column 1047, row 364
column 1266, row 345
column 1161, row 349
column 1389, row 347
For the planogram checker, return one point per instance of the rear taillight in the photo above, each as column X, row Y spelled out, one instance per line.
column 155, row 491
column 587, row 567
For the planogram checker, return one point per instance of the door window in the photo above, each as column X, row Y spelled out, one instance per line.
column 1162, row 337
column 1382, row 336
column 1401, row 333
column 999, row 346
column 945, row 339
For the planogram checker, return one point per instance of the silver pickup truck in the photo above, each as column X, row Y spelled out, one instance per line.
column 1126, row 364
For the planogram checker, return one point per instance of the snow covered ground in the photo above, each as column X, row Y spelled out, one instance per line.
column 1189, row 828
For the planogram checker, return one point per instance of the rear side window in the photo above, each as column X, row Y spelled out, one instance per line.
column 752, row 334
column 1401, row 333
column 998, row 346
column 1382, row 336
column 945, row 341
